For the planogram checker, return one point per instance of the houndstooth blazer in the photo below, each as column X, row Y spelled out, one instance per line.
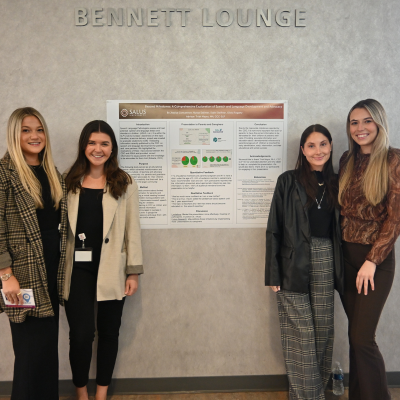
column 21, row 243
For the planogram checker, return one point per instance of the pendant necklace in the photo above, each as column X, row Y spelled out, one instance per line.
column 319, row 204
column 319, row 176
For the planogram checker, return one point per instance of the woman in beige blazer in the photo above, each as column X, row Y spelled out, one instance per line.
column 103, row 256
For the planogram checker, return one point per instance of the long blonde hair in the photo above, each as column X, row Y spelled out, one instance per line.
column 375, row 181
column 27, row 176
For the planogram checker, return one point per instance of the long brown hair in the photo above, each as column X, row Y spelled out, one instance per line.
column 117, row 179
column 375, row 182
column 307, row 178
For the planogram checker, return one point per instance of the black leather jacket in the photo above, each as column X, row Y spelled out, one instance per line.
column 287, row 259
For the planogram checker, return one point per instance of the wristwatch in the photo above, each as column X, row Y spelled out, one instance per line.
column 6, row 277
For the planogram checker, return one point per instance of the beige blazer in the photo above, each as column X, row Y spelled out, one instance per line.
column 121, row 252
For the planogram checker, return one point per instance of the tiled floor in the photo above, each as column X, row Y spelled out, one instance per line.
column 220, row 396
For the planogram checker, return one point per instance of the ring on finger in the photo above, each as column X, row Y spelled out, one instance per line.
column 18, row 294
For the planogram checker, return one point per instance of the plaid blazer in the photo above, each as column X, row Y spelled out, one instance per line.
column 21, row 243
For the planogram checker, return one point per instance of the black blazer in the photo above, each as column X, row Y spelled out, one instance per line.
column 287, row 259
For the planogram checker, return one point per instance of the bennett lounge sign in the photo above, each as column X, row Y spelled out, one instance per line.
column 224, row 17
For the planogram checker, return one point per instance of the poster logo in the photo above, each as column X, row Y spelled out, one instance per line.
column 137, row 113
column 215, row 139
column 132, row 113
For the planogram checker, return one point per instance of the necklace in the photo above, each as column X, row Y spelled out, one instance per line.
column 319, row 204
column 319, row 176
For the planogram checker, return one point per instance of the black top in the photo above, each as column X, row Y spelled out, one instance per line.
column 90, row 222
column 320, row 218
column 48, row 218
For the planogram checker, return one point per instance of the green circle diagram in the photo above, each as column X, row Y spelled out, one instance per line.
column 185, row 160
column 205, row 159
column 226, row 159
column 219, row 159
column 193, row 160
column 212, row 159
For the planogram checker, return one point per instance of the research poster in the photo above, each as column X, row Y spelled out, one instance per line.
column 202, row 164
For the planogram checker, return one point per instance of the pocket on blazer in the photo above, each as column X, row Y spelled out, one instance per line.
column 17, row 252
column 286, row 252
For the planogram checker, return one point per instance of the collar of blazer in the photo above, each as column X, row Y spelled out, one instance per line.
column 110, row 205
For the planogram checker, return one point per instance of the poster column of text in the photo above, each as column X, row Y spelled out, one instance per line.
column 143, row 154
column 260, row 159
column 202, row 184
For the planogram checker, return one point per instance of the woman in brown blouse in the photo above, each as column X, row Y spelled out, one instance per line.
column 369, row 193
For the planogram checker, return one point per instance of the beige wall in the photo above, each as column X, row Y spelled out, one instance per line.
column 202, row 308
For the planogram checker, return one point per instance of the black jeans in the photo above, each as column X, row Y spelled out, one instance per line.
column 35, row 343
column 80, row 311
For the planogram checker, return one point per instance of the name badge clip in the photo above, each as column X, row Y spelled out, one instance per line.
column 83, row 254
column 82, row 237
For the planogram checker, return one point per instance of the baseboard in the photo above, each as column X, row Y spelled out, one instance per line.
column 246, row 383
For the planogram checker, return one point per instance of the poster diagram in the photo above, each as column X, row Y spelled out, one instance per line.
column 217, row 158
column 202, row 164
column 194, row 136
column 185, row 158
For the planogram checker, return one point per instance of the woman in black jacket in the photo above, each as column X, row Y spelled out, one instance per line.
column 303, row 263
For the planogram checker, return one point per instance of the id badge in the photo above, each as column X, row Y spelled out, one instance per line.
column 27, row 297
column 83, row 254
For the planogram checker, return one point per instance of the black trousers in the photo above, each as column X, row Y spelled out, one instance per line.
column 35, row 343
column 80, row 311
column 367, row 368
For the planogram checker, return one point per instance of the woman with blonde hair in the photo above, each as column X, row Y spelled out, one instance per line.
column 369, row 193
column 33, row 221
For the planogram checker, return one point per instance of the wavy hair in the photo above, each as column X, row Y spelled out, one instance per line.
column 25, row 172
column 117, row 180
column 304, row 173
column 375, row 181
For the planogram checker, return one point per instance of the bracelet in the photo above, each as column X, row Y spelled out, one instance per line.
column 6, row 277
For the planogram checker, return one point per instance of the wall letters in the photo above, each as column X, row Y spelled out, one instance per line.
column 224, row 17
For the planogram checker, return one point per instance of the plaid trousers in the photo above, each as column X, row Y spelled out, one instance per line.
column 307, row 330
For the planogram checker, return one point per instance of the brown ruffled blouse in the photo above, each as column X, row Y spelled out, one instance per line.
column 364, row 223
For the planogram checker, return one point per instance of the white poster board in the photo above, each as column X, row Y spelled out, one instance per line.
column 202, row 164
